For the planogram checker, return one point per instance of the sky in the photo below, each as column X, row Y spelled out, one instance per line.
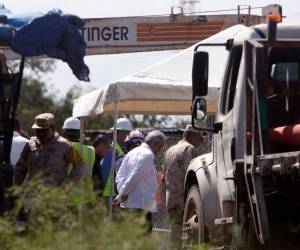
column 106, row 69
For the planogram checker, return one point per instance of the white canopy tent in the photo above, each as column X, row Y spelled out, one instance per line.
column 164, row 88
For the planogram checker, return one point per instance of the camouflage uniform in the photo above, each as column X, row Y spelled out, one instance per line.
column 49, row 161
column 177, row 160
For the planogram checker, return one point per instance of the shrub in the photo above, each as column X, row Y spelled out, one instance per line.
column 58, row 220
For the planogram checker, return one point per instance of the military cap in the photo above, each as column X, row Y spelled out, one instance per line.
column 189, row 128
column 43, row 121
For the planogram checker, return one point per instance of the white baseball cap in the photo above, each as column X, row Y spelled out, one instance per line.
column 72, row 123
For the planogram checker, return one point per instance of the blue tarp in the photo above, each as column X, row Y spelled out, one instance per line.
column 16, row 20
column 53, row 34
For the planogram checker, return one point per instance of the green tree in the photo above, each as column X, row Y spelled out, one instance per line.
column 103, row 121
column 64, row 109
column 33, row 100
column 34, row 97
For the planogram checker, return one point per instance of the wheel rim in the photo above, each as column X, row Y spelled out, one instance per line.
column 191, row 226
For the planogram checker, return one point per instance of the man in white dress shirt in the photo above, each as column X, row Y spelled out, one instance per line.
column 136, row 178
column 18, row 143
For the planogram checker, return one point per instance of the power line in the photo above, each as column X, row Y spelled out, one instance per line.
column 225, row 10
column 208, row 11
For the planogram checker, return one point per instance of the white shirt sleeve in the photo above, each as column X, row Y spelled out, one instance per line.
column 142, row 168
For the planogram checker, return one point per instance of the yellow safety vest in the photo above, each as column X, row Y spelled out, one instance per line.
column 119, row 149
column 88, row 154
column 106, row 191
column 83, row 193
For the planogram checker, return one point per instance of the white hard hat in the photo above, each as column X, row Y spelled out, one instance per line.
column 72, row 123
column 123, row 124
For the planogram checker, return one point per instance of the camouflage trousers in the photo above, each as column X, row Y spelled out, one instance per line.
column 176, row 217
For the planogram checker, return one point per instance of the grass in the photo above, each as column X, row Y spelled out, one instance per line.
column 59, row 220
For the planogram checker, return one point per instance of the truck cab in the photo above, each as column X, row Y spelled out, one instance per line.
column 247, row 186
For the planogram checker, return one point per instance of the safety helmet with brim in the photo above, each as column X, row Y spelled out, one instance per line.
column 123, row 124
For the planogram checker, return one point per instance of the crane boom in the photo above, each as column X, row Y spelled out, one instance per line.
column 141, row 33
column 137, row 34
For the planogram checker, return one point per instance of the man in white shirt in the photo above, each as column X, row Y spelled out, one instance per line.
column 136, row 178
column 18, row 143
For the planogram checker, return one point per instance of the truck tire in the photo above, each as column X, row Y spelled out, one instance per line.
column 193, row 222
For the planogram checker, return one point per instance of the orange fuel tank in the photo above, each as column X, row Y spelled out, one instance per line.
column 286, row 134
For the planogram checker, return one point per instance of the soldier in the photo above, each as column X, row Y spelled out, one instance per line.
column 176, row 162
column 48, row 155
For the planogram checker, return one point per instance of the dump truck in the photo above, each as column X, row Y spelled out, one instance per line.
column 245, row 192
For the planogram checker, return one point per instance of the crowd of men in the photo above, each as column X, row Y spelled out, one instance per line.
column 57, row 160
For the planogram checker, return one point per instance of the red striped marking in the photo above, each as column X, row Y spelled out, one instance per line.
column 176, row 31
column 180, row 33
column 189, row 24
column 168, row 38
column 163, row 29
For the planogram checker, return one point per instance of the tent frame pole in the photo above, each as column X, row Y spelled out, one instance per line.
column 113, row 160
column 81, row 179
